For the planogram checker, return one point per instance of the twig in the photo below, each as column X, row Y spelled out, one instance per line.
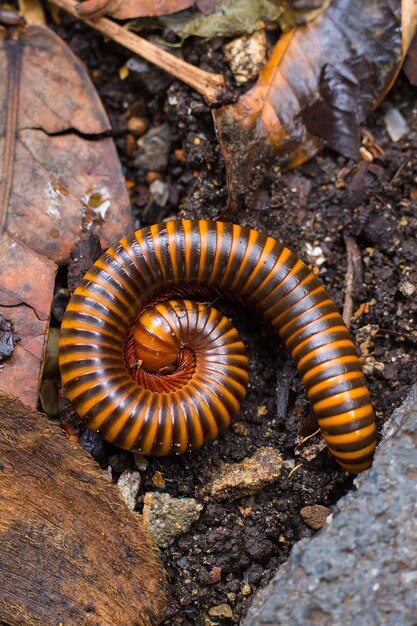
column 400, row 336
column 210, row 86
column 402, row 166
column 32, row 11
column 353, row 272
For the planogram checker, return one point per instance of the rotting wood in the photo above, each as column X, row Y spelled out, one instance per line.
column 70, row 550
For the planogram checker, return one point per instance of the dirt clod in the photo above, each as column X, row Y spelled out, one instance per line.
column 315, row 515
column 234, row 480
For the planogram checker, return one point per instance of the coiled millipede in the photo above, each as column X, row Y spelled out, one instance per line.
column 166, row 378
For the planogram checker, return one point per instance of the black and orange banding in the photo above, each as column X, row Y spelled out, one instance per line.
column 167, row 377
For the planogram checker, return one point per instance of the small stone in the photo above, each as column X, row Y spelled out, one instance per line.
column 395, row 124
column 240, row 429
column 371, row 365
column 158, row 480
column 128, row 485
column 315, row 515
column 315, row 252
column 246, row 590
column 151, row 176
column 235, row 480
column 246, row 56
column 210, row 578
column 262, row 411
column 215, row 575
column 159, row 191
column 166, row 517
column 154, row 149
column 284, row 542
column 407, row 288
column 123, row 72
column 223, row 611
column 136, row 125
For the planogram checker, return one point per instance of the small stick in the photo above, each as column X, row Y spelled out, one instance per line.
column 210, row 86
column 353, row 271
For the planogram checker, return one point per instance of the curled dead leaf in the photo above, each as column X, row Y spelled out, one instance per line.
column 266, row 125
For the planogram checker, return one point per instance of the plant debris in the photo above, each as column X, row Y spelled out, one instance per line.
column 26, row 289
column 60, row 517
column 265, row 125
column 52, row 123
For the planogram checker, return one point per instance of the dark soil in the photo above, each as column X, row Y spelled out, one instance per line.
column 314, row 205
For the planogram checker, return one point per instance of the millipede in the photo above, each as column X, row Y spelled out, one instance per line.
column 157, row 372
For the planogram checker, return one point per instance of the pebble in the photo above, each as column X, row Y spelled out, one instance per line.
column 158, row 480
column 315, row 515
column 223, row 611
column 166, row 517
column 235, row 480
column 159, row 191
column 407, row 288
column 154, row 149
column 136, row 125
column 128, row 485
column 246, row 56
column 246, row 590
column 395, row 124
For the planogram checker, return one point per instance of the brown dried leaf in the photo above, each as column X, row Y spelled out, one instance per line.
column 128, row 9
column 26, row 290
column 70, row 550
column 266, row 123
column 54, row 181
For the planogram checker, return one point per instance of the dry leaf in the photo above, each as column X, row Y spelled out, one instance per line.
column 266, row 126
column 128, row 9
column 26, row 290
column 53, row 180
column 232, row 17
column 70, row 550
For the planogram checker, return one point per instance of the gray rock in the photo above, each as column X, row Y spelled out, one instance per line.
column 128, row 485
column 166, row 517
column 154, row 149
column 362, row 567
